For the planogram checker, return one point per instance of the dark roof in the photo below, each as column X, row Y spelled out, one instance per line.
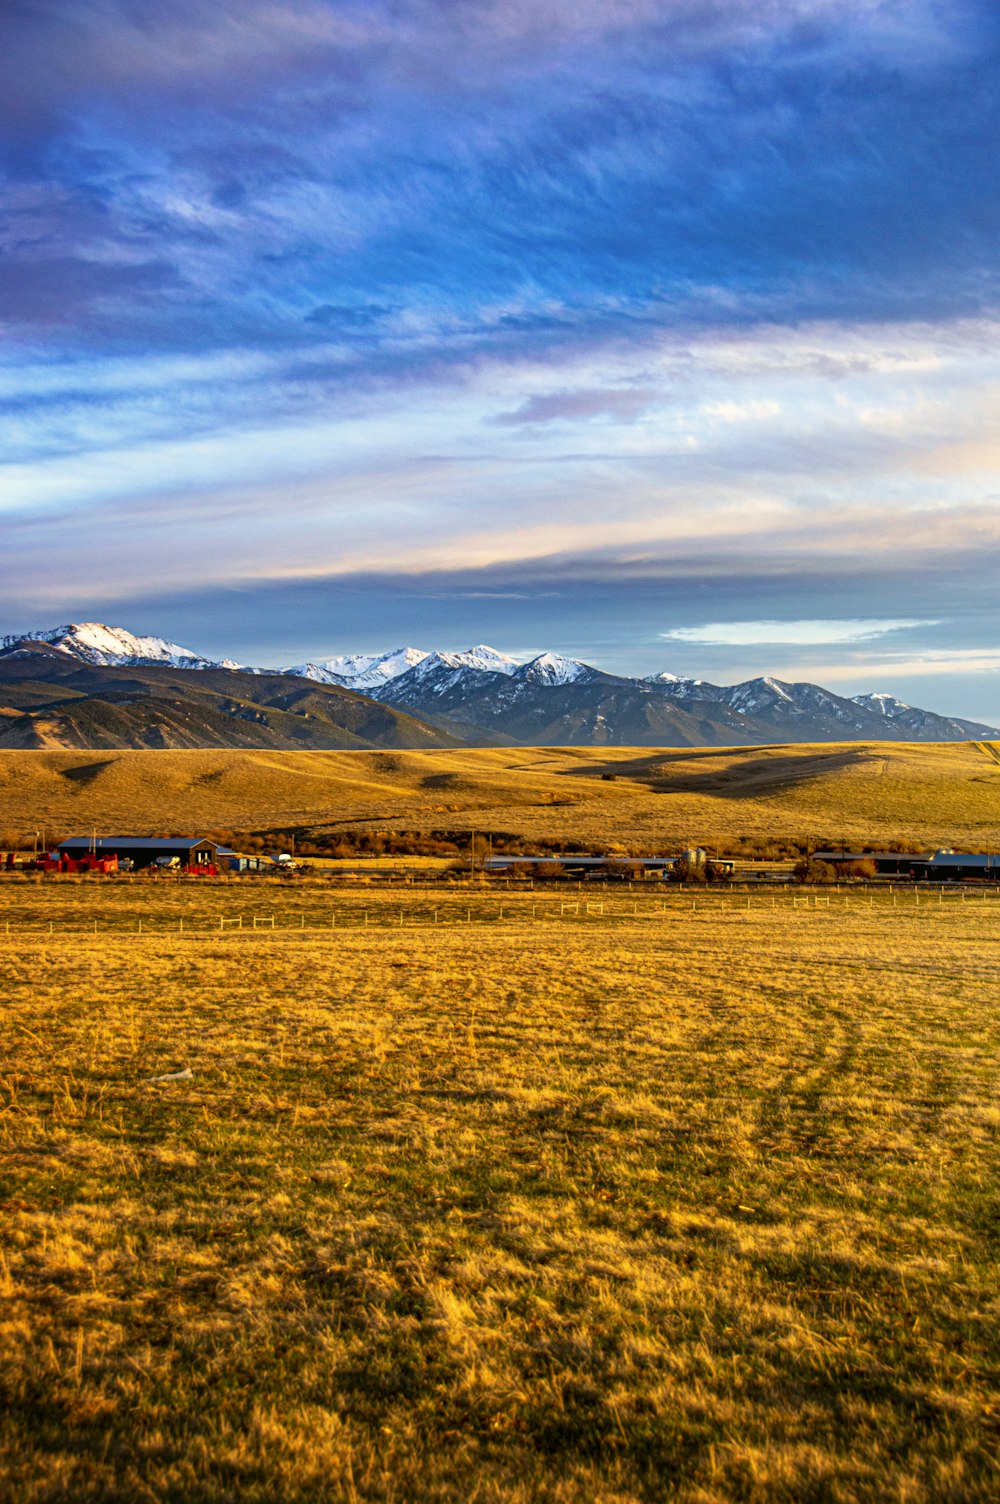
column 136, row 843
column 964, row 859
column 578, row 861
column 836, row 855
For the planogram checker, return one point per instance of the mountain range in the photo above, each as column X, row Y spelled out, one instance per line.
column 90, row 685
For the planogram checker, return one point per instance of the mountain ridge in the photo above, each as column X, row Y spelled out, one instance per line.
column 478, row 696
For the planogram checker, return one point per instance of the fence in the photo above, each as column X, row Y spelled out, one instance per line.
column 336, row 920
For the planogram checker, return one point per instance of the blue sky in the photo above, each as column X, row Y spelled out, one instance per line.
column 663, row 334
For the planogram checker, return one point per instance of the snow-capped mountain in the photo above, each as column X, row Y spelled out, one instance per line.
column 551, row 669
column 114, row 647
column 756, row 694
column 486, row 695
column 371, row 672
column 361, row 671
column 788, row 702
column 449, row 683
column 882, row 704
column 907, row 721
column 557, row 701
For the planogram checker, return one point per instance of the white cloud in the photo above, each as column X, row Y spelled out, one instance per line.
column 800, row 633
column 930, row 663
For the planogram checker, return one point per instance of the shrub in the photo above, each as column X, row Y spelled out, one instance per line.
column 812, row 871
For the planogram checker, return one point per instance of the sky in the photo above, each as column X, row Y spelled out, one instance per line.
column 661, row 333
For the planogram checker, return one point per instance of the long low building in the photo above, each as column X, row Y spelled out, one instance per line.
column 140, row 852
column 959, row 866
column 605, row 866
column 886, row 863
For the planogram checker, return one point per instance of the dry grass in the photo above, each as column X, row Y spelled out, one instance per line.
column 636, row 1206
column 933, row 793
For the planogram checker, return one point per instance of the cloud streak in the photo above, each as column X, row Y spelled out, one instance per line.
column 800, row 633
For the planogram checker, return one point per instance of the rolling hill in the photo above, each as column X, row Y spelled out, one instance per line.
column 862, row 793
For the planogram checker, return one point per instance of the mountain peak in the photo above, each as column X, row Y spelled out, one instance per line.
column 114, row 647
column 881, row 704
column 484, row 657
column 361, row 671
column 552, row 668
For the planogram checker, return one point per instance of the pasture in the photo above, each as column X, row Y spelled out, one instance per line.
column 647, row 1202
column 856, row 793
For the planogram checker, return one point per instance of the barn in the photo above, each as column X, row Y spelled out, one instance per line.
column 959, row 866
column 196, row 853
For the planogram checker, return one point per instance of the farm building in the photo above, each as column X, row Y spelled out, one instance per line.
column 576, row 866
column 189, row 853
column 959, row 866
column 886, row 863
column 662, row 867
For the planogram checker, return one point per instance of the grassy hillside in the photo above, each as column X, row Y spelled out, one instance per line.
column 640, row 1206
column 941, row 793
column 84, row 706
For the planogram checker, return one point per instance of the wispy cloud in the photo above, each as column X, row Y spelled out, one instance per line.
column 929, row 663
column 802, row 633
column 552, row 407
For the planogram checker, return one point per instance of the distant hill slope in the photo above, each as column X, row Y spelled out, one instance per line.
column 50, row 699
column 860, row 793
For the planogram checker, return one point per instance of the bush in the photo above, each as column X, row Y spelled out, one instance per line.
column 812, row 871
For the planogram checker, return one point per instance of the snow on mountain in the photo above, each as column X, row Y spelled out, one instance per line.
column 317, row 671
column 371, row 672
column 552, row 668
column 756, row 693
column 487, row 660
column 365, row 672
column 673, row 684
column 881, row 704
column 114, row 647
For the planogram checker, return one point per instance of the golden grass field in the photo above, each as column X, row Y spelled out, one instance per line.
column 679, row 1199
column 941, row 793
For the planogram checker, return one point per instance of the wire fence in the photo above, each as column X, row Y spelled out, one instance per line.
column 417, row 914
